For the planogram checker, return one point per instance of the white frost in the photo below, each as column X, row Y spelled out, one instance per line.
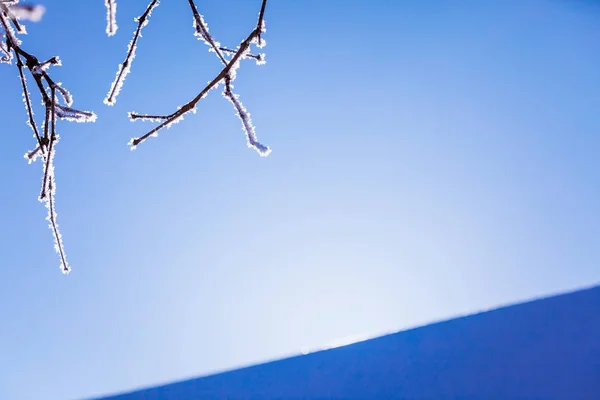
column 111, row 17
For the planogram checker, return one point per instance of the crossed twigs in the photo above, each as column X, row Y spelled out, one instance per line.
column 229, row 57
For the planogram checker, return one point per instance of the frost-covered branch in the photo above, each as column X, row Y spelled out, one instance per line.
column 50, row 91
column 125, row 67
column 230, row 58
column 111, row 17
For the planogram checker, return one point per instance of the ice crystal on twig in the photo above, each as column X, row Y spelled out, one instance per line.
column 31, row 13
column 246, row 121
column 111, row 17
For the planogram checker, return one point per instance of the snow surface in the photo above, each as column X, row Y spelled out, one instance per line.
column 544, row 349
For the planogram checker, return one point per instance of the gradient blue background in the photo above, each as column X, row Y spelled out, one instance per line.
column 430, row 159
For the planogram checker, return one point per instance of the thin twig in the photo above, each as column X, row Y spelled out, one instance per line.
column 125, row 67
column 50, row 155
column 111, row 17
column 231, row 51
column 27, row 100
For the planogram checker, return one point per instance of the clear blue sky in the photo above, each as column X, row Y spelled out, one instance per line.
column 430, row 159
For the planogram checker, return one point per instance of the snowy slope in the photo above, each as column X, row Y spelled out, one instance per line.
column 544, row 349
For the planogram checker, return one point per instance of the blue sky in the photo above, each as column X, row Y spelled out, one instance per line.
column 430, row 159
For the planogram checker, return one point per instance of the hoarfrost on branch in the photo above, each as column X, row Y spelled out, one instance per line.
column 230, row 58
column 57, row 101
column 45, row 135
